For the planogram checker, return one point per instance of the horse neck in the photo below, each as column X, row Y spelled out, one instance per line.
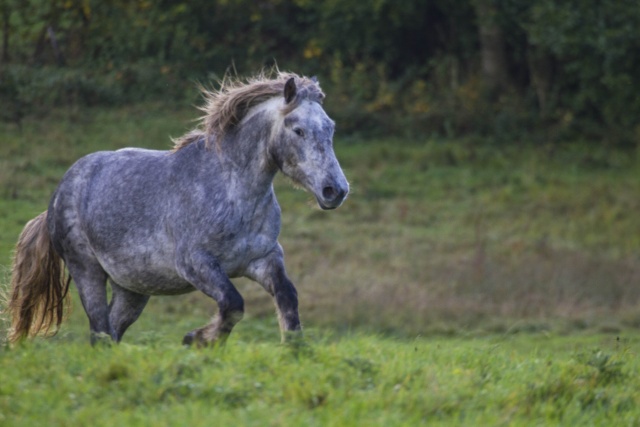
column 245, row 156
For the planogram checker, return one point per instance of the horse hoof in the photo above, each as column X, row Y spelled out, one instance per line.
column 194, row 338
column 101, row 339
column 188, row 339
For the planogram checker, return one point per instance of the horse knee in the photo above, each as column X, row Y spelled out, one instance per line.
column 231, row 311
column 232, row 305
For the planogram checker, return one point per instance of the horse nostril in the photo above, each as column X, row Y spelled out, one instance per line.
column 329, row 193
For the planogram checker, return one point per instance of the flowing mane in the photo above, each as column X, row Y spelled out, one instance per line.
column 226, row 107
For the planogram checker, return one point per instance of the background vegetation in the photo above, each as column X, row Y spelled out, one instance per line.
column 506, row 69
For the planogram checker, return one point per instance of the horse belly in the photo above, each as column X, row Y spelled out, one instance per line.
column 150, row 283
column 145, row 273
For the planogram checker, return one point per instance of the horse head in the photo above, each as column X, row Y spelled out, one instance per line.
column 302, row 144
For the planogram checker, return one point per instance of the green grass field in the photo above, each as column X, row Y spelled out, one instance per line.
column 462, row 283
column 329, row 381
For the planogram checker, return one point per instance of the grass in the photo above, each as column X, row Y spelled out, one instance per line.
column 350, row 379
column 460, row 284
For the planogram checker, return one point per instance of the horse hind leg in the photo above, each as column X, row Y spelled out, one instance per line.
column 124, row 309
column 91, row 282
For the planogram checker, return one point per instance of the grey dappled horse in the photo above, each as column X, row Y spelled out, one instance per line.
column 171, row 222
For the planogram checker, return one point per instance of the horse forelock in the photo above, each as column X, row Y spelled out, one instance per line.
column 225, row 107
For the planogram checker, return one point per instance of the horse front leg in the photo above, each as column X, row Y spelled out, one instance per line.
column 203, row 271
column 271, row 274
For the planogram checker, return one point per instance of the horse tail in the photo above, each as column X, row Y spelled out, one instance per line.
column 38, row 292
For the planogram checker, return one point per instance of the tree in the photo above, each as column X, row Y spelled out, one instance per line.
column 495, row 71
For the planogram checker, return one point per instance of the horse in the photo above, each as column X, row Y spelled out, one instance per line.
column 151, row 222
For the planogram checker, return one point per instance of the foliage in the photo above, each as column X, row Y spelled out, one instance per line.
column 585, row 45
column 408, row 68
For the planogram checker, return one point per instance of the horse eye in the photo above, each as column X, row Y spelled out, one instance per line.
column 299, row 132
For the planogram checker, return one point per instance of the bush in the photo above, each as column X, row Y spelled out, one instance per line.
column 408, row 68
column 27, row 90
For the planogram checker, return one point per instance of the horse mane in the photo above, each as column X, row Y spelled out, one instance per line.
column 225, row 107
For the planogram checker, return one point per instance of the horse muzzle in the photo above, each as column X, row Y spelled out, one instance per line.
column 332, row 195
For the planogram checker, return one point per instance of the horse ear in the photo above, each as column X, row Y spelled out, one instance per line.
column 290, row 90
column 314, row 79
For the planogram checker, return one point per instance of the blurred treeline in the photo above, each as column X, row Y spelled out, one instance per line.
column 547, row 70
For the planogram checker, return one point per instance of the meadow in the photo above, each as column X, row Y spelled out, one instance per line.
column 463, row 282
column 343, row 380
